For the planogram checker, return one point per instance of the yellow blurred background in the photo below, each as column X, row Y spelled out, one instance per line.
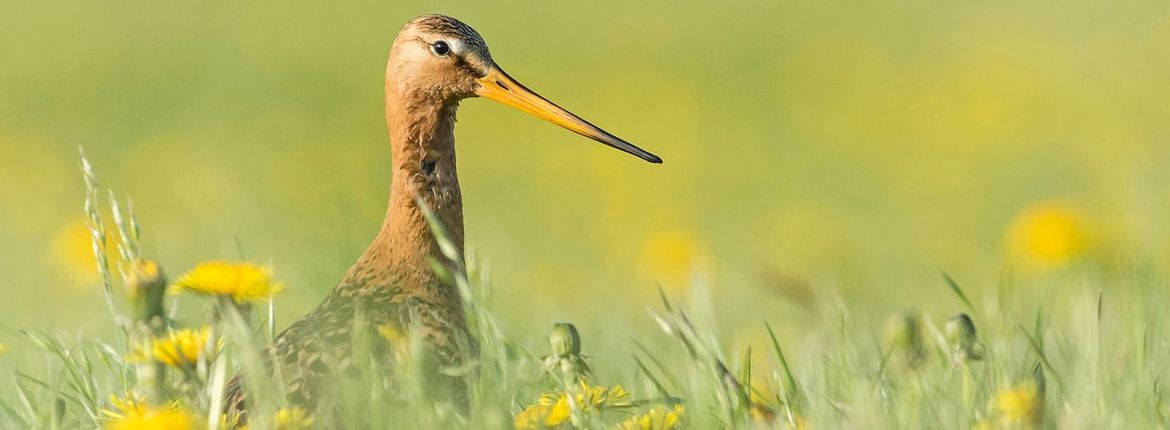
column 853, row 150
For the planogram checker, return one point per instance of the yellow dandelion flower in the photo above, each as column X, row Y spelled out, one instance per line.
column 672, row 257
column 1019, row 405
column 544, row 415
column 1048, row 235
column 155, row 419
column 3, row 348
column 598, row 397
column 130, row 405
column 292, row 419
column 554, row 409
column 179, row 348
column 559, row 412
column 72, row 252
column 243, row 282
column 658, row 418
column 132, row 413
column 531, row 417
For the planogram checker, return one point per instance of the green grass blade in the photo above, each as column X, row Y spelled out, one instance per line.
column 793, row 387
column 653, row 380
column 662, row 369
column 1039, row 350
column 958, row 291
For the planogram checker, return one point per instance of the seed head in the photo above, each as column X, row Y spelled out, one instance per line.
column 564, row 340
column 964, row 342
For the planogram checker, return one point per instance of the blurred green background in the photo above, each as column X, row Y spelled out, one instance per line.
column 850, row 150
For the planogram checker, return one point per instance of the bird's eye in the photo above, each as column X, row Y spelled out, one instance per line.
column 440, row 48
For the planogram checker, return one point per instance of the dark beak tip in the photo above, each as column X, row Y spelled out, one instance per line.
column 654, row 159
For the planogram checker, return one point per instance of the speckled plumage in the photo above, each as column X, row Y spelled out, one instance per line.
column 392, row 282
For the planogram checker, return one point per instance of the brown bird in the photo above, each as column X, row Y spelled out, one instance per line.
column 435, row 62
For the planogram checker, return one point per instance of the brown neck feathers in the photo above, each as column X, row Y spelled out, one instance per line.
column 423, row 150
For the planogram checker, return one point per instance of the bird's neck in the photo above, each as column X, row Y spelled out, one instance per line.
column 422, row 135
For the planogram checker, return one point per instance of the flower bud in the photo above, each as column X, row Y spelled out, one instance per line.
column 903, row 338
column 964, row 342
column 566, row 357
column 564, row 340
column 146, row 287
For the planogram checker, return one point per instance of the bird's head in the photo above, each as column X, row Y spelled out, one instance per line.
column 443, row 59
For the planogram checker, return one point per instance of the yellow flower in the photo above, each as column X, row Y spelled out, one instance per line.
column 559, row 412
column 672, row 257
column 397, row 341
column 658, row 418
column 72, row 252
column 292, row 419
column 1048, row 235
column 392, row 333
column 531, row 417
column 600, row 398
column 130, row 405
column 288, row 419
column 231, row 421
column 156, row 419
column 132, row 413
column 243, row 282
column 554, row 409
column 1019, row 405
column 143, row 275
column 179, row 348
column 3, row 348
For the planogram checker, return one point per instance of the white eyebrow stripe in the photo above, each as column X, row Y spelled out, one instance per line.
column 457, row 46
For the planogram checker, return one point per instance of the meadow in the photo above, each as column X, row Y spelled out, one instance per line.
column 841, row 183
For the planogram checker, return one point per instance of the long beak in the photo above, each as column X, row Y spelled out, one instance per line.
column 500, row 87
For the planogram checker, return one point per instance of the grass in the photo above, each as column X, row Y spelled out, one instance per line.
column 1074, row 348
column 880, row 143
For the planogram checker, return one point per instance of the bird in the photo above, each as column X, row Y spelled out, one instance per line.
column 435, row 62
